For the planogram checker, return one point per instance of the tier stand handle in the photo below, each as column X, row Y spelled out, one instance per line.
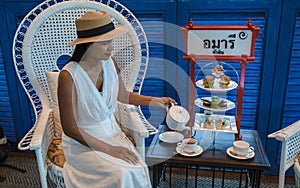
column 192, row 63
column 240, row 95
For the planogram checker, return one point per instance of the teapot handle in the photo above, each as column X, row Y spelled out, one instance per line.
column 168, row 108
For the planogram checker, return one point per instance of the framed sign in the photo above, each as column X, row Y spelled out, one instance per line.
column 220, row 41
column 215, row 42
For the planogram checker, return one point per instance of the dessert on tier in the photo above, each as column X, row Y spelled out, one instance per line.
column 216, row 80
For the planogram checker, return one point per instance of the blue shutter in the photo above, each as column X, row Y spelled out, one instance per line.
column 285, row 97
column 292, row 102
column 6, row 118
column 253, row 69
column 154, row 80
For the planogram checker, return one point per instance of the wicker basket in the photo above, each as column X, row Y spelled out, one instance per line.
column 297, row 172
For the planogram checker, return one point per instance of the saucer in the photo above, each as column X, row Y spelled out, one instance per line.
column 171, row 137
column 248, row 156
column 181, row 152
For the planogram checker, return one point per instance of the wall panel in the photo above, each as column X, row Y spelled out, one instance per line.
column 6, row 117
column 285, row 97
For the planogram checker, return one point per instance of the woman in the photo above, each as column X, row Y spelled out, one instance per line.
column 97, row 153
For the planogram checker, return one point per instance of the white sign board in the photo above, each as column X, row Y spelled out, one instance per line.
column 219, row 42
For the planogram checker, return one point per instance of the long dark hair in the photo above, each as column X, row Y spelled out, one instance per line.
column 79, row 51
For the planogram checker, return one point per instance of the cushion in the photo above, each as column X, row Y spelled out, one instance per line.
column 56, row 154
column 52, row 78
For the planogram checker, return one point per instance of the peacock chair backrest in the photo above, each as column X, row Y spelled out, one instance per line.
column 42, row 37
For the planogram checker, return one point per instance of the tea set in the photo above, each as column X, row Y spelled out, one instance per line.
column 189, row 147
column 241, row 150
column 177, row 119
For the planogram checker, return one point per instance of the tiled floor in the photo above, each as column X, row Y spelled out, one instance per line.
column 30, row 179
column 204, row 180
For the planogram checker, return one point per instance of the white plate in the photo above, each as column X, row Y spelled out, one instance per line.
column 181, row 152
column 248, row 156
column 230, row 123
column 230, row 105
column 171, row 137
column 216, row 88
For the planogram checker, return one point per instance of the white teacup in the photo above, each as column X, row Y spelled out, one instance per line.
column 242, row 147
column 188, row 145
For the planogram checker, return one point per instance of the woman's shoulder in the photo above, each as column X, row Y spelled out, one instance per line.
column 65, row 79
column 65, row 73
column 70, row 65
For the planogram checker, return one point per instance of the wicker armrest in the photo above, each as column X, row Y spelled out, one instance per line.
column 136, row 113
column 290, row 148
column 131, row 118
column 39, row 139
column 286, row 132
column 36, row 135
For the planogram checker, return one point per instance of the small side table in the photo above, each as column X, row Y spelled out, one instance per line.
column 161, row 154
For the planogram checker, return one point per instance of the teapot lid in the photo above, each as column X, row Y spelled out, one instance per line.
column 179, row 114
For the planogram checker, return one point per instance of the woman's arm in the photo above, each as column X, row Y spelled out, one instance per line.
column 66, row 92
column 127, row 97
column 137, row 99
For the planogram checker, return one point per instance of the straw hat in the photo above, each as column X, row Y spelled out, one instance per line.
column 96, row 27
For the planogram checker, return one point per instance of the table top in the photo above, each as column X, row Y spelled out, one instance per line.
column 160, row 151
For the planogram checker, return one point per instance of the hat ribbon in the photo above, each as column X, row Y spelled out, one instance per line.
column 96, row 31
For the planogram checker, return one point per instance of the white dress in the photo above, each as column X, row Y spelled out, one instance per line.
column 94, row 113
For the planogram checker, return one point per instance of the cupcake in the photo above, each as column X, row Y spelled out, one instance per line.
column 220, row 124
column 218, row 70
column 215, row 100
column 208, row 81
column 208, row 124
column 224, row 81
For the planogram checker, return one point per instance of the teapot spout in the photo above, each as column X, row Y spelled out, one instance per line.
column 183, row 128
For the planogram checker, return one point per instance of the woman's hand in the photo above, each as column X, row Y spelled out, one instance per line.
column 165, row 101
column 124, row 154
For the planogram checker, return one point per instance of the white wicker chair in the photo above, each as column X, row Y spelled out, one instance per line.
column 42, row 38
column 290, row 148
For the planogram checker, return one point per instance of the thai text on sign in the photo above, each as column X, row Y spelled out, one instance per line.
column 219, row 42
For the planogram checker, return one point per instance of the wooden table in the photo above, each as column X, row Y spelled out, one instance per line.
column 161, row 154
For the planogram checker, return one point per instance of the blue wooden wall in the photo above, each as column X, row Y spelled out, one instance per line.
column 272, row 81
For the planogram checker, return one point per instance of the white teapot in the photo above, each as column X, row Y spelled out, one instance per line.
column 177, row 117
